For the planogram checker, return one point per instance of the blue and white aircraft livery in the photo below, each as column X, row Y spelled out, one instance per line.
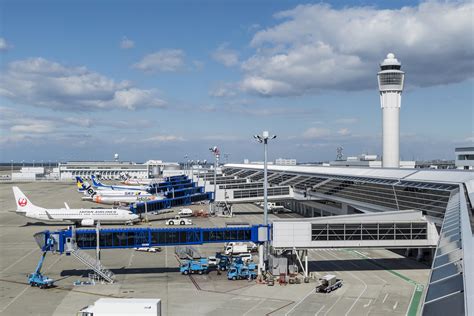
column 120, row 197
column 99, row 186
column 83, row 217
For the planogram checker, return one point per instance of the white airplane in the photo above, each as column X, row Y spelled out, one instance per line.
column 126, row 179
column 87, row 189
column 99, row 186
column 83, row 217
column 125, row 199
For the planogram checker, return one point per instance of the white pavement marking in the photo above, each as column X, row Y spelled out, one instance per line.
column 301, row 301
column 254, row 307
column 27, row 287
column 358, row 297
column 367, row 305
column 395, row 305
column 385, row 298
column 14, row 263
column 319, row 310
column 131, row 258
column 14, row 299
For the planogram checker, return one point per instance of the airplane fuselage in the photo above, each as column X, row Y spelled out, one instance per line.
column 77, row 215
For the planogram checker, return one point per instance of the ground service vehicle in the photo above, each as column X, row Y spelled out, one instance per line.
column 236, row 249
column 123, row 306
column 240, row 271
column 328, row 283
column 224, row 261
column 198, row 266
column 212, row 260
column 39, row 280
column 148, row 249
column 185, row 212
column 245, row 257
column 179, row 221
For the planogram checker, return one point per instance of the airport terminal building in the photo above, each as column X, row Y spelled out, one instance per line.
column 400, row 205
column 111, row 170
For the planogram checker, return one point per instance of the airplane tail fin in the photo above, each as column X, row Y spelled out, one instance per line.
column 95, row 182
column 80, row 184
column 89, row 190
column 23, row 204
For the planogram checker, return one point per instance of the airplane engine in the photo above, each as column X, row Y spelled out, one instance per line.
column 87, row 222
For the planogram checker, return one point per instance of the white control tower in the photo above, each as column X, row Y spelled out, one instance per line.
column 391, row 80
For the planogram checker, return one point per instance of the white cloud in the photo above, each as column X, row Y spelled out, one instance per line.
column 224, row 90
column 164, row 138
column 226, row 56
column 43, row 83
column 163, row 60
column 126, row 43
column 346, row 120
column 316, row 132
column 198, row 64
column 316, row 47
column 344, row 132
column 4, row 45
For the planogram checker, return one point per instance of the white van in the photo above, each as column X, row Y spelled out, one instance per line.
column 185, row 212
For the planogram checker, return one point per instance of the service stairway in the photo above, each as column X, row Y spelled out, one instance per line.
column 93, row 264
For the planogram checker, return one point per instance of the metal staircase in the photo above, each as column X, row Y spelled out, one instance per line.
column 95, row 265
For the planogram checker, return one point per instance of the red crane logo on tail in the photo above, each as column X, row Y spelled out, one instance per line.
column 22, row 202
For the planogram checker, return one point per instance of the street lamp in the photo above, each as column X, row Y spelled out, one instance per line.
column 12, row 165
column 216, row 153
column 264, row 139
column 185, row 164
column 263, row 249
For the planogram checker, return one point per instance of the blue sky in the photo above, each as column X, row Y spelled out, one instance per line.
column 162, row 79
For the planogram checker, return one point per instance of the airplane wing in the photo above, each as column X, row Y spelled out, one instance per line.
column 49, row 215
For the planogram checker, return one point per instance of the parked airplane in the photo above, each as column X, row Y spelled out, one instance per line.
column 83, row 186
column 84, row 217
column 127, row 179
column 99, row 186
column 124, row 199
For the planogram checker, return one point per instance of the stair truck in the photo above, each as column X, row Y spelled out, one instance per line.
column 198, row 266
column 328, row 283
column 240, row 271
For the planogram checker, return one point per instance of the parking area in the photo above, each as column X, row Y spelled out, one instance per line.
column 376, row 281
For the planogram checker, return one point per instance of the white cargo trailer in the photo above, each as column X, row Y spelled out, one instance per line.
column 123, row 306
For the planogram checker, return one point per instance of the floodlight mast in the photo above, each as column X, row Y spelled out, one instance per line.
column 216, row 153
column 264, row 139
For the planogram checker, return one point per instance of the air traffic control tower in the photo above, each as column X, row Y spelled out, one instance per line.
column 391, row 79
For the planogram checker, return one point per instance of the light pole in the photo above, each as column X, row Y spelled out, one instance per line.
column 263, row 249
column 264, row 139
column 216, row 153
column 12, row 165
column 185, row 165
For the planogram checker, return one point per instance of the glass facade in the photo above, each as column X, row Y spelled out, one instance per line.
column 370, row 231
column 251, row 193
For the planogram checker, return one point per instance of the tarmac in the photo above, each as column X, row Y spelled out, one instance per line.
column 376, row 281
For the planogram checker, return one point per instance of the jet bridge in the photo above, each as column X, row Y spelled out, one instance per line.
column 112, row 238
column 402, row 229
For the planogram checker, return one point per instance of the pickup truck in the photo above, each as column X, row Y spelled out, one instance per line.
column 179, row 221
column 328, row 283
